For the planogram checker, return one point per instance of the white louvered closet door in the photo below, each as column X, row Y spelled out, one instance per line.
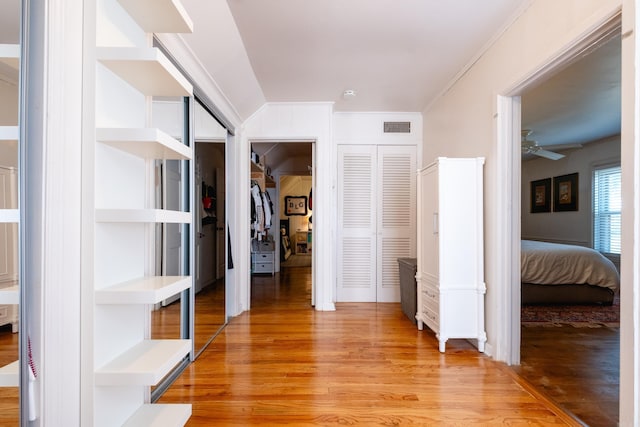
column 376, row 220
column 396, row 219
column 356, row 223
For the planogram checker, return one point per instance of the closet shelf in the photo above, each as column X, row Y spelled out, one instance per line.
column 145, row 364
column 146, row 69
column 10, row 295
column 142, row 216
column 9, row 216
column 10, row 374
column 145, row 290
column 10, row 55
column 160, row 415
column 147, row 143
column 159, row 16
column 9, row 133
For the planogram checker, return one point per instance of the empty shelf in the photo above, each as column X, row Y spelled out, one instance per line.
column 147, row 143
column 145, row 364
column 160, row 415
column 9, row 216
column 142, row 215
column 10, row 55
column 10, row 295
column 10, row 374
column 159, row 16
column 146, row 69
column 145, row 290
column 9, row 133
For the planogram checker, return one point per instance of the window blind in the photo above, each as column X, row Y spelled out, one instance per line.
column 607, row 205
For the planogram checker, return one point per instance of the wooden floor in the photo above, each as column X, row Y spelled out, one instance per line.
column 367, row 364
column 582, row 374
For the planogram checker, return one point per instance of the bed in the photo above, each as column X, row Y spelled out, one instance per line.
column 553, row 273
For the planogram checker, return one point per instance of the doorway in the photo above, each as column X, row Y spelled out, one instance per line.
column 521, row 221
column 283, row 173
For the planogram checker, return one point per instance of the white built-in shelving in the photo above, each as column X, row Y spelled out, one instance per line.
column 9, row 375
column 146, row 69
column 10, row 55
column 9, row 216
column 126, row 363
column 147, row 143
column 169, row 15
column 9, row 133
column 10, row 295
column 145, row 290
column 160, row 415
column 146, row 363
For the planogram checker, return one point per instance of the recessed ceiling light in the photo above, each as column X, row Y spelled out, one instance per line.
column 349, row 93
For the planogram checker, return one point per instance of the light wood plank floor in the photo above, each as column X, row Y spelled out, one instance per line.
column 367, row 364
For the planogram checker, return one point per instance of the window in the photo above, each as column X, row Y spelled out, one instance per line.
column 607, row 203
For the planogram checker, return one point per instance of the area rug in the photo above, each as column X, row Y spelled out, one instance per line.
column 577, row 315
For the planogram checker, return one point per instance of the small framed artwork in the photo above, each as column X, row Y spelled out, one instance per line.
column 541, row 195
column 565, row 193
column 295, row 205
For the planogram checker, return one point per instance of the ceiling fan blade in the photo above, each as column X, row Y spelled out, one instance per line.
column 548, row 154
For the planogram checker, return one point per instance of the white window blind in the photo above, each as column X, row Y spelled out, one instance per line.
column 607, row 204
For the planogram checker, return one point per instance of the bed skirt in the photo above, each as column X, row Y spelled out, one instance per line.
column 566, row 294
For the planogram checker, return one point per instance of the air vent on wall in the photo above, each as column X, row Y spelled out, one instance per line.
column 397, row 127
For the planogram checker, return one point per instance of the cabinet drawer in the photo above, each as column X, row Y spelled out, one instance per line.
column 263, row 257
column 431, row 298
column 431, row 318
column 263, row 267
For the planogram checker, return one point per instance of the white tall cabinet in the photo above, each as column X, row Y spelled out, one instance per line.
column 120, row 216
column 450, row 274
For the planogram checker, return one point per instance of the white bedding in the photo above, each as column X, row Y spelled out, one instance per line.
column 556, row 264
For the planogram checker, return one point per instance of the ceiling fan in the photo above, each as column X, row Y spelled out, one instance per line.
column 532, row 147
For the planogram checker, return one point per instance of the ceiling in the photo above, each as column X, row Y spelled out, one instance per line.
column 396, row 56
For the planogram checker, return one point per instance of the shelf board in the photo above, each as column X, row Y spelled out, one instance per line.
column 9, row 133
column 10, row 295
column 145, row 290
column 142, row 216
column 159, row 16
column 10, row 55
column 146, row 69
column 160, row 415
column 145, row 364
column 10, row 375
column 147, row 143
column 9, row 216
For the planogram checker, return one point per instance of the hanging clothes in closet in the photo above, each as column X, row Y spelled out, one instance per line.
column 261, row 211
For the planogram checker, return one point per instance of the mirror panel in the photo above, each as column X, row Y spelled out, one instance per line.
column 10, row 18
column 210, row 228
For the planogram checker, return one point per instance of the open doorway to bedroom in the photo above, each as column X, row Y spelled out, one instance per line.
column 570, row 175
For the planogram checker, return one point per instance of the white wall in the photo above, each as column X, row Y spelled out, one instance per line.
column 465, row 120
column 462, row 122
column 294, row 122
column 566, row 227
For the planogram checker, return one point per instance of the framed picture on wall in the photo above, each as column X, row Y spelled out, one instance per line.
column 541, row 195
column 295, row 205
column 565, row 193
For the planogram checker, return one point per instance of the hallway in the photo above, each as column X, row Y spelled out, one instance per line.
column 367, row 364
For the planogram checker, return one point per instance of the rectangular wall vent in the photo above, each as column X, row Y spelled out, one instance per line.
column 397, row 127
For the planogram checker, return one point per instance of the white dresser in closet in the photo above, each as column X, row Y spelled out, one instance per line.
column 450, row 274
